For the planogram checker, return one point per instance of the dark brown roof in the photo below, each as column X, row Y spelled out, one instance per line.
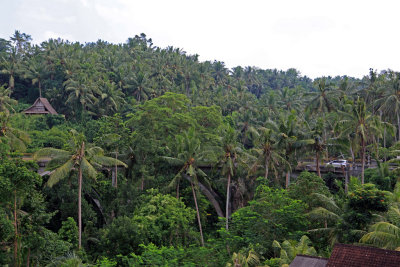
column 308, row 261
column 41, row 106
column 359, row 256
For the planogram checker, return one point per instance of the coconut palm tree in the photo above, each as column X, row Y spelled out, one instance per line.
column 358, row 122
column 323, row 99
column 35, row 70
column 329, row 214
column 11, row 67
column 385, row 234
column 268, row 154
column 77, row 157
column 189, row 155
column 81, row 92
column 16, row 139
column 229, row 161
column 6, row 103
column 389, row 104
column 111, row 97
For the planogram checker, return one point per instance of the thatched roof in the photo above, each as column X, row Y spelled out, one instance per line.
column 41, row 106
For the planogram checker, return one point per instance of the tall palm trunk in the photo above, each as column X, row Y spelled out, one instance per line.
column 287, row 179
column 80, row 198
column 16, row 263
column 40, row 89
column 362, row 159
column 346, row 179
column 317, row 163
column 266, row 167
column 116, row 171
column 227, row 201
column 198, row 214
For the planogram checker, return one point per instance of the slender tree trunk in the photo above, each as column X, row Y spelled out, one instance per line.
column 198, row 214
column 287, row 179
column 353, row 158
column 362, row 159
column 116, row 171
column 317, row 163
column 266, row 167
column 227, row 201
column 16, row 263
column 142, row 184
column 384, row 140
column 210, row 194
column 80, row 209
column 40, row 89
column 346, row 182
column 80, row 198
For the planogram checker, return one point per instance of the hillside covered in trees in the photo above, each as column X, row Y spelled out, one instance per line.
column 158, row 159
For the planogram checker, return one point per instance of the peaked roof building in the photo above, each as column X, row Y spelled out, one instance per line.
column 361, row 256
column 308, row 261
column 351, row 256
column 41, row 106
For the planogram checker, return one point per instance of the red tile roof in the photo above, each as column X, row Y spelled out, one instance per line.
column 360, row 256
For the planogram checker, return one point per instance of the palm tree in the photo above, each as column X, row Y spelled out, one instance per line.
column 329, row 214
column 229, row 161
column 188, row 157
column 6, row 103
column 240, row 260
column 322, row 99
column 21, row 41
column 288, row 137
column 77, row 157
column 267, row 152
column 360, row 124
column 16, row 139
column 139, row 84
column 289, row 249
column 389, row 104
column 35, row 70
column 10, row 67
column 385, row 234
column 81, row 92
column 111, row 97
column 317, row 142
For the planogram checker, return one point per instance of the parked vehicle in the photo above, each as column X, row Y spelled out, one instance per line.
column 337, row 163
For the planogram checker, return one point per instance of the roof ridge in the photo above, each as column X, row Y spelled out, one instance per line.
column 366, row 247
column 314, row 257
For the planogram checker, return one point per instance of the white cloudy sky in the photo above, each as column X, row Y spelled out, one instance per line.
column 321, row 37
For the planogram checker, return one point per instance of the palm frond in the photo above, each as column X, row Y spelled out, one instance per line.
column 49, row 152
column 107, row 161
column 174, row 161
column 88, row 169
column 60, row 173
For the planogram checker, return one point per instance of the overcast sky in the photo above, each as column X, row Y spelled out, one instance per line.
column 318, row 37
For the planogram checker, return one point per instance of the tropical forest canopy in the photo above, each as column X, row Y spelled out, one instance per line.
column 158, row 159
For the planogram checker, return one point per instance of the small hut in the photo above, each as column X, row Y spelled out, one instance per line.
column 41, row 106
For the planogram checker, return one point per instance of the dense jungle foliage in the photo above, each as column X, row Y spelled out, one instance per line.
column 158, row 159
